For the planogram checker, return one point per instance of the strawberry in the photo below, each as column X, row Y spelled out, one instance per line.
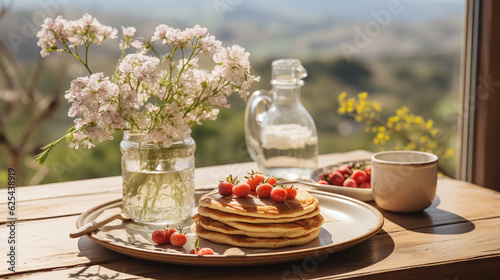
column 264, row 190
column 226, row 187
column 196, row 247
column 323, row 182
column 364, row 185
column 359, row 176
column 205, row 252
column 194, row 251
column 336, row 178
column 291, row 192
column 271, row 180
column 168, row 232
column 350, row 183
column 159, row 237
column 241, row 190
column 368, row 170
column 254, row 180
column 345, row 170
column 278, row 194
column 201, row 252
column 178, row 238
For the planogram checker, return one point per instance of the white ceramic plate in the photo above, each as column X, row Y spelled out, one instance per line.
column 348, row 222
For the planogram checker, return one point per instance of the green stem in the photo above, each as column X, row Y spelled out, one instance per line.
column 86, row 53
column 68, row 50
column 154, row 51
column 41, row 157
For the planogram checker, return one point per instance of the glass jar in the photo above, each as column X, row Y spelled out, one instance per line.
column 158, row 182
column 280, row 134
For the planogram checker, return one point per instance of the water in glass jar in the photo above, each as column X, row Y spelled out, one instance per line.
column 157, row 197
column 290, row 151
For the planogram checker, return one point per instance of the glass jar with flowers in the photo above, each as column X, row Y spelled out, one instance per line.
column 156, row 94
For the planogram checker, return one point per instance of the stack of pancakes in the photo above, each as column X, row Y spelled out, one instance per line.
column 258, row 222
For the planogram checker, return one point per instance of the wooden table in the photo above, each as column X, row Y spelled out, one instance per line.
column 458, row 237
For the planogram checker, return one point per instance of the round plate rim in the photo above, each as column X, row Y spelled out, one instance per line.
column 222, row 260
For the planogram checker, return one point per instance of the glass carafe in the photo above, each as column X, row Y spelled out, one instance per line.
column 280, row 134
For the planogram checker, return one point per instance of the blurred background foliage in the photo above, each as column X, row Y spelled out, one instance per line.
column 413, row 61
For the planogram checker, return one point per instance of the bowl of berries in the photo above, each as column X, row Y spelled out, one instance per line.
column 347, row 178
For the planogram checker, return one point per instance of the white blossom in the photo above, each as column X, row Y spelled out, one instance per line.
column 162, row 94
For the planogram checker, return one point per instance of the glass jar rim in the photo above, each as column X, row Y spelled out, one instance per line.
column 128, row 133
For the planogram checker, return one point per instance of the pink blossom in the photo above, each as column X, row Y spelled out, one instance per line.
column 128, row 31
column 86, row 30
column 161, row 99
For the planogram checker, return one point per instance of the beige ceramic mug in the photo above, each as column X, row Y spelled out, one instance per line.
column 404, row 181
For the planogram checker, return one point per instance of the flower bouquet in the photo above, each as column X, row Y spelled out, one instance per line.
column 157, row 92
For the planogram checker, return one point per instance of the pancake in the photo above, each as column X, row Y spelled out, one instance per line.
column 254, row 206
column 252, row 242
column 229, row 217
column 217, row 226
column 290, row 230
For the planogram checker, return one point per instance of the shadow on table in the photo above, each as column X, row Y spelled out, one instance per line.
column 432, row 220
column 358, row 257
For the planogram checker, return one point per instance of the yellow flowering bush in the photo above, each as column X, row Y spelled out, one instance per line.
column 405, row 130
